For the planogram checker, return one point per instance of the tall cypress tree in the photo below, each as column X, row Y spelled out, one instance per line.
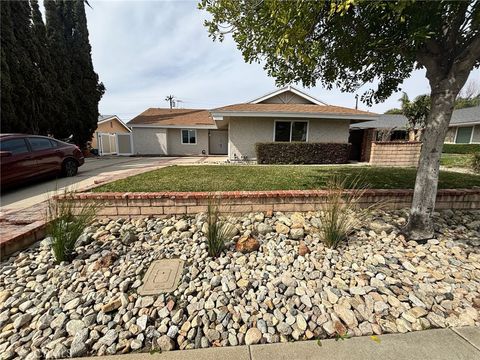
column 44, row 99
column 86, row 88
column 48, row 82
column 6, row 47
column 19, row 71
column 61, row 66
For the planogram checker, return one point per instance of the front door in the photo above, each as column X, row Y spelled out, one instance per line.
column 218, row 142
column 356, row 141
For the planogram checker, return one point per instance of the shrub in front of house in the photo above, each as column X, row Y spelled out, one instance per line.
column 461, row 148
column 302, row 153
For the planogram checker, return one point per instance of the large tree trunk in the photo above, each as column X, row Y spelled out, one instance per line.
column 444, row 93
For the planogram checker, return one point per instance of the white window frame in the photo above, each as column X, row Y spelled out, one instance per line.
column 189, row 143
column 471, row 134
column 291, row 126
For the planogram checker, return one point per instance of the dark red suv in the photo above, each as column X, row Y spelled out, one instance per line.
column 23, row 157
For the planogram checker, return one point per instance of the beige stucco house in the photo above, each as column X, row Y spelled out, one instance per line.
column 110, row 137
column 286, row 114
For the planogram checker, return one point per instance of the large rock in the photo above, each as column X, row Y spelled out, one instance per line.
column 112, row 305
column 106, row 261
column 253, row 336
column 60, row 351
column 74, row 326
column 229, row 230
column 282, row 229
column 264, row 229
column 346, row 315
column 301, row 323
column 165, row 343
column 247, row 244
column 296, row 233
column 303, row 249
column 181, row 225
column 79, row 347
column 22, row 320
column 128, row 238
column 109, row 338
column 297, row 219
column 167, row 230
column 4, row 295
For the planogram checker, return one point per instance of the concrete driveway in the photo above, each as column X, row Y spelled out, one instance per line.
column 94, row 170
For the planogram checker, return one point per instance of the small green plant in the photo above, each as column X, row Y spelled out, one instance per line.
column 341, row 214
column 66, row 222
column 218, row 232
column 342, row 337
column 476, row 162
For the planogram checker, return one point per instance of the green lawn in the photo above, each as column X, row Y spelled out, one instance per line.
column 243, row 177
column 456, row 160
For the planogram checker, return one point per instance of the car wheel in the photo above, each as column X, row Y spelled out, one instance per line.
column 70, row 168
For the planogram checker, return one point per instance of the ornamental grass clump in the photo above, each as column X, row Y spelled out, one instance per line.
column 218, row 232
column 66, row 222
column 476, row 162
column 341, row 213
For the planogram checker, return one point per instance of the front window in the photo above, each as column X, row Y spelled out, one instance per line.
column 464, row 134
column 291, row 131
column 189, row 136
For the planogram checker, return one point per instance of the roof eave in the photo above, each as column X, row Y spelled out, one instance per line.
column 471, row 123
column 118, row 119
column 284, row 89
column 186, row 126
column 219, row 115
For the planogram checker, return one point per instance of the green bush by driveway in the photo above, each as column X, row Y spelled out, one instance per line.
column 275, row 177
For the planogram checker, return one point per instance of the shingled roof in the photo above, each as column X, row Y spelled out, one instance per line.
column 292, row 108
column 173, row 117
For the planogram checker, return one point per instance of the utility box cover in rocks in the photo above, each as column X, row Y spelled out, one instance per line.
column 161, row 277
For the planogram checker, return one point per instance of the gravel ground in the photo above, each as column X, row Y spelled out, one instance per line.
column 291, row 288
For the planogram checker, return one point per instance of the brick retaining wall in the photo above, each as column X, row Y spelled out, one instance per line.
column 240, row 202
column 395, row 153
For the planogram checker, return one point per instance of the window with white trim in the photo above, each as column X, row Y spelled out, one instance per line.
column 464, row 135
column 290, row 131
column 189, row 136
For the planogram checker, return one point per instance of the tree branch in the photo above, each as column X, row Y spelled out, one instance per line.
column 455, row 24
column 468, row 57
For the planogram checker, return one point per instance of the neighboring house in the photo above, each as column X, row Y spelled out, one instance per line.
column 286, row 114
column 112, row 136
column 464, row 128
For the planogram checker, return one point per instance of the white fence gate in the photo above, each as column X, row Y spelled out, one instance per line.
column 124, row 144
column 107, row 144
column 115, row 144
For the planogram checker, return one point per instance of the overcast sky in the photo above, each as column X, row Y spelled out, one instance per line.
column 145, row 50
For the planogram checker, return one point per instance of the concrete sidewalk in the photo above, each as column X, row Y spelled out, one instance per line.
column 439, row 344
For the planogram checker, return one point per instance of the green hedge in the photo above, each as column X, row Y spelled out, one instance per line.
column 460, row 148
column 302, row 153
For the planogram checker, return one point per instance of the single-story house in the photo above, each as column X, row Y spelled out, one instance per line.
column 284, row 115
column 112, row 136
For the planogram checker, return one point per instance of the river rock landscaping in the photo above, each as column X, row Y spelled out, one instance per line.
column 274, row 282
